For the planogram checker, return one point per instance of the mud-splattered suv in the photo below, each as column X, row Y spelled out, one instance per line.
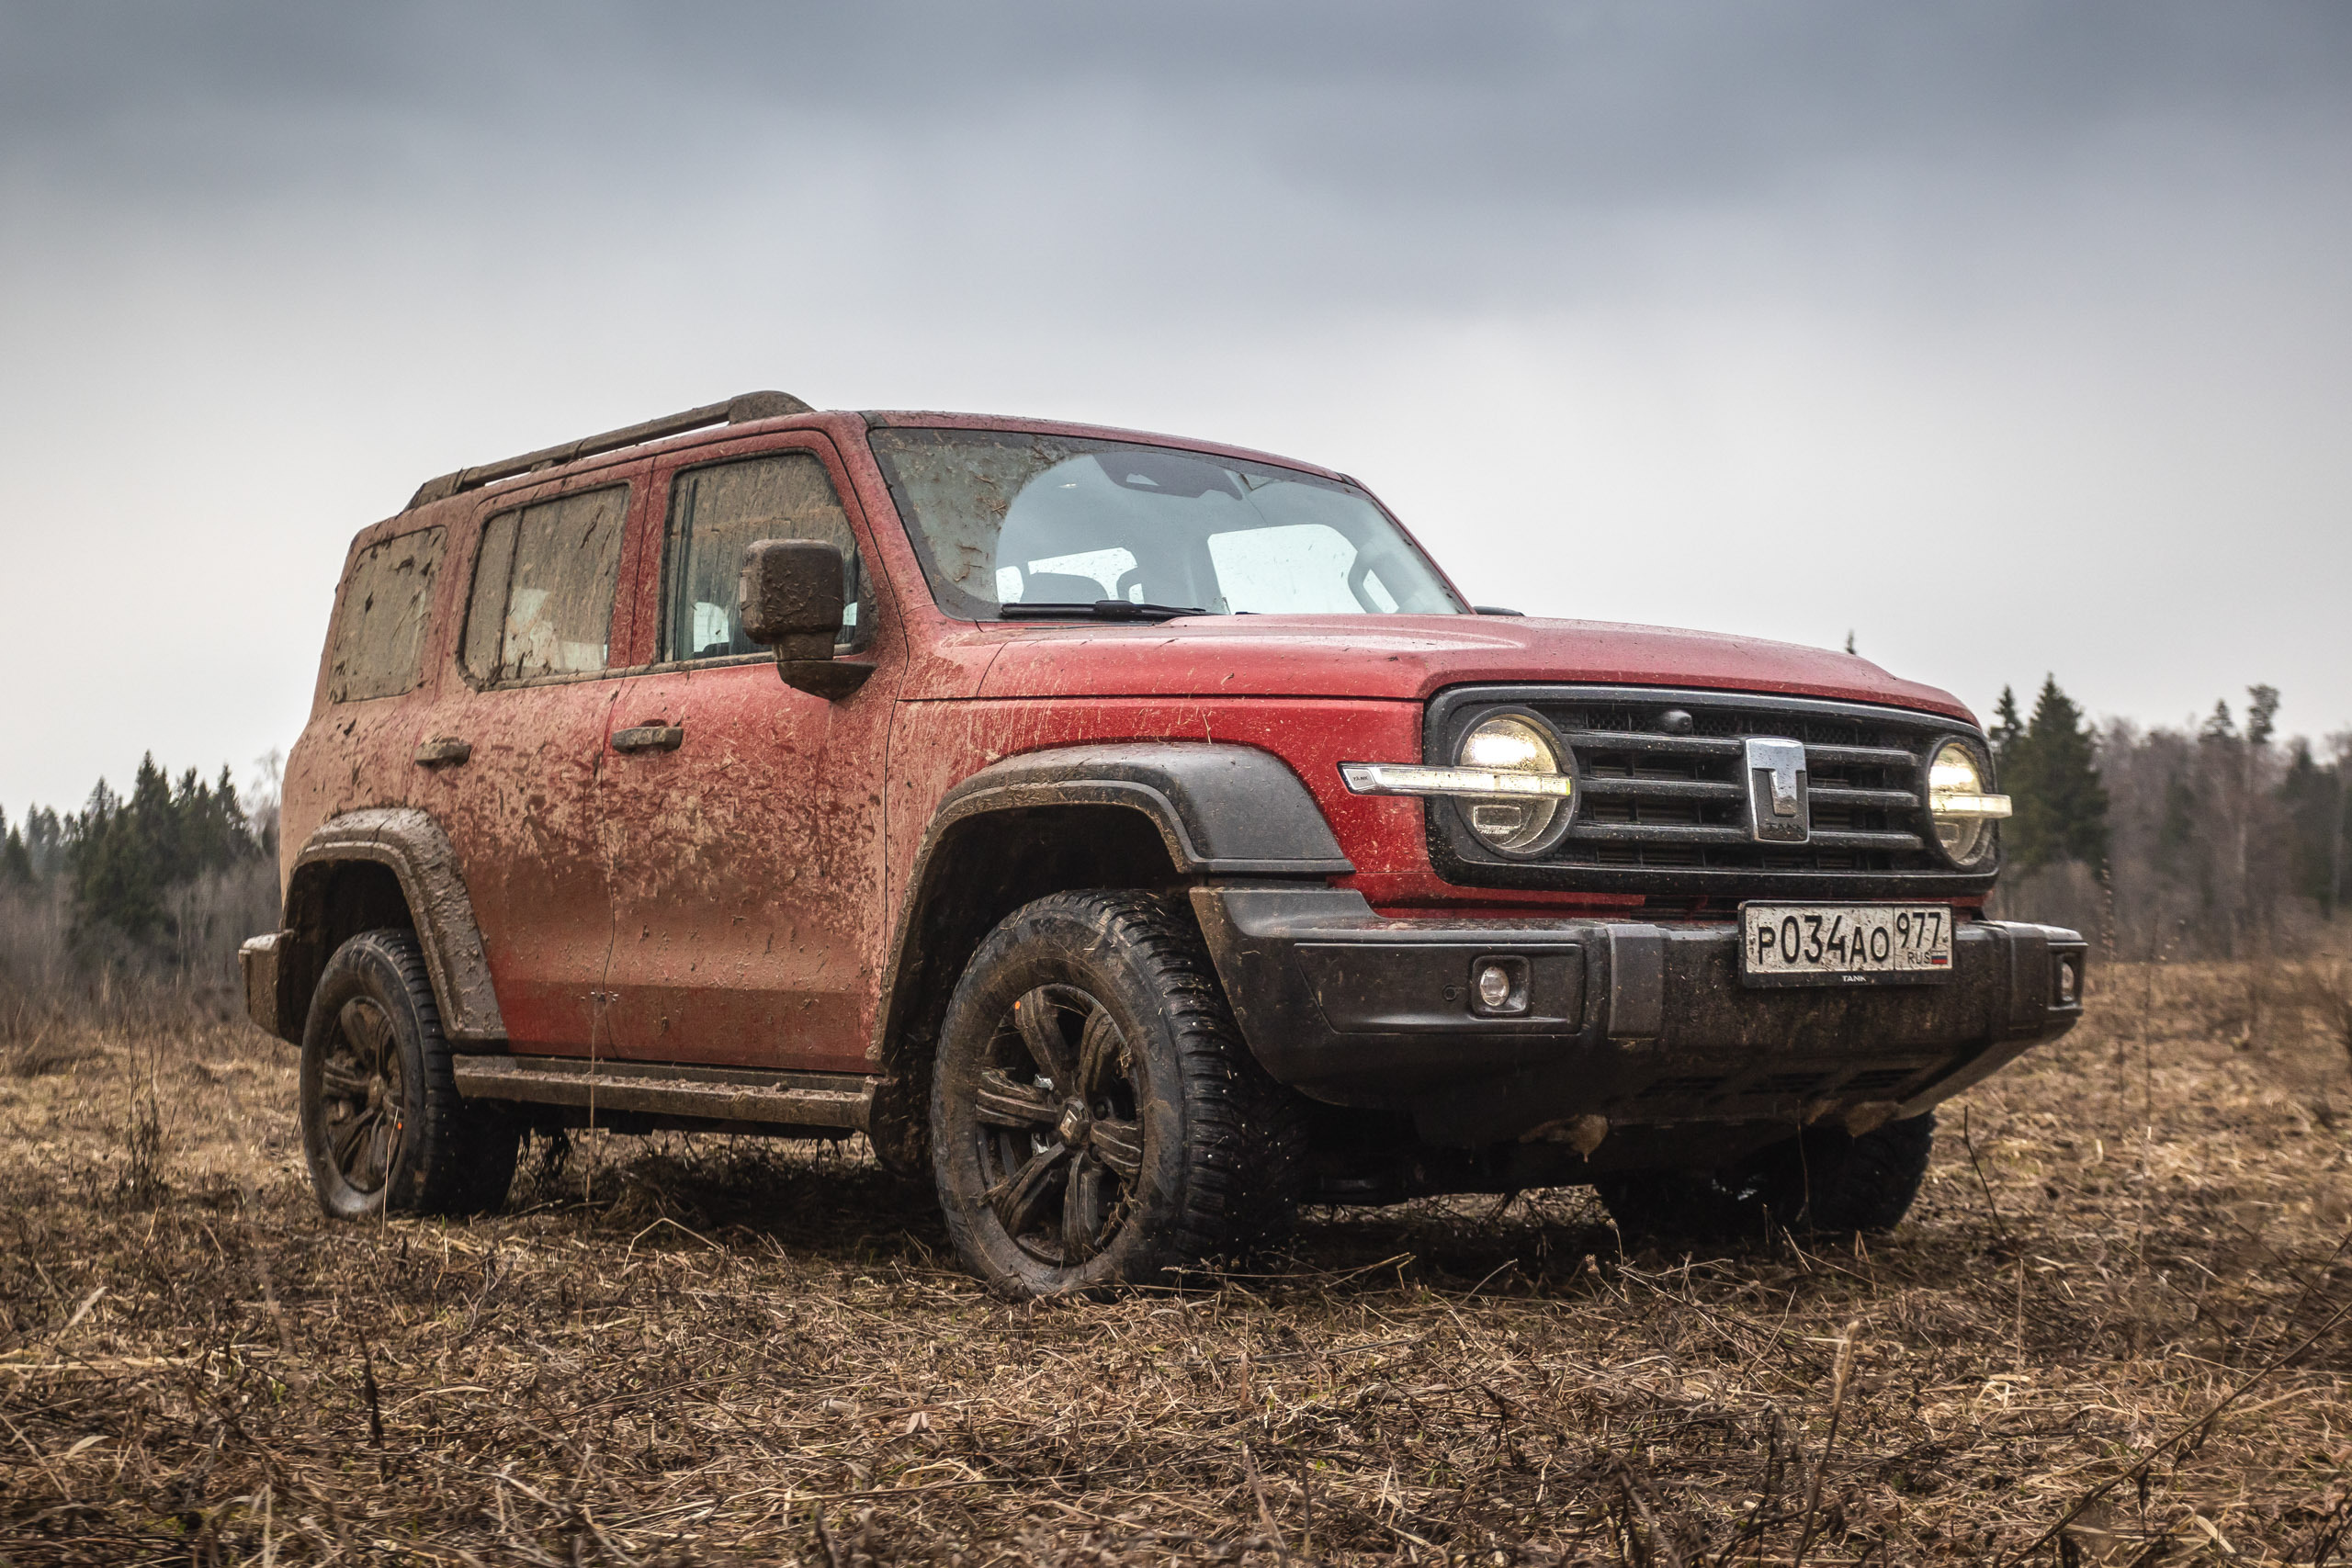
column 1142, row 835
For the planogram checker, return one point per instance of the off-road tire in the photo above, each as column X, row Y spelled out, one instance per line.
column 1822, row 1179
column 1215, row 1150
column 1870, row 1182
column 383, row 1126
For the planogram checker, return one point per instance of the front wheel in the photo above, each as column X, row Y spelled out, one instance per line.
column 1095, row 1117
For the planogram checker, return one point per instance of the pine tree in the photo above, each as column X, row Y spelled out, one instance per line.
column 2312, row 795
column 2261, row 715
column 2007, row 729
column 44, row 842
column 115, row 854
column 2049, row 768
column 15, row 860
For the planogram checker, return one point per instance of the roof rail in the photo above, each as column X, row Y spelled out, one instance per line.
column 734, row 411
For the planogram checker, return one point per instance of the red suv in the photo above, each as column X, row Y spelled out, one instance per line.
column 1142, row 835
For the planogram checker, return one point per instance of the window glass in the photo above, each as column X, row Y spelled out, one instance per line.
column 1299, row 568
column 379, row 644
column 543, row 588
column 1005, row 517
column 715, row 512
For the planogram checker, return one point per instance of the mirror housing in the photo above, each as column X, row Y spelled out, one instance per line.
column 790, row 598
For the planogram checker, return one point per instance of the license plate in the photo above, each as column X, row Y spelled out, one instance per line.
column 1845, row 944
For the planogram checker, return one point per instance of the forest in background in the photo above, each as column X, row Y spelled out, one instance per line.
column 2224, row 841
column 138, row 899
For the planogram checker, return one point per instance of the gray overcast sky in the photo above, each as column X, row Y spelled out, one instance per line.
column 2012, row 337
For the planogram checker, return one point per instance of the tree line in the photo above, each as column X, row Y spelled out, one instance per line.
column 2220, row 839
column 155, row 880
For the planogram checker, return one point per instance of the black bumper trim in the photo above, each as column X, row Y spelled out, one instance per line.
column 1643, row 1023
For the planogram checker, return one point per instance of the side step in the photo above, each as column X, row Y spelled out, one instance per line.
column 665, row 1088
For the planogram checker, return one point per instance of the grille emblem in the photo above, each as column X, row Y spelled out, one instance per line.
column 1776, row 791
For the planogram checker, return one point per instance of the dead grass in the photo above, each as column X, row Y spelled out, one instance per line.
column 711, row 1350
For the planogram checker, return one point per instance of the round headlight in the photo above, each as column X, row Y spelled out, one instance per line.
column 1516, row 824
column 1956, row 797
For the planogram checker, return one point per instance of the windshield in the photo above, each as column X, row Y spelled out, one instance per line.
column 1008, row 517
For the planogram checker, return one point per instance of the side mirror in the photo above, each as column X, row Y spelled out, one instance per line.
column 790, row 598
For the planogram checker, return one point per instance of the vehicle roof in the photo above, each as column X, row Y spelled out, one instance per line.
column 935, row 420
column 755, row 414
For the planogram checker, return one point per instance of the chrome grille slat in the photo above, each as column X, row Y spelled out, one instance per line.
column 1708, row 833
column 1860, row 757
column 1838, row 794
column 1656, row 833
column 1634, row 740
column 1844, row 839
column 1605, row 787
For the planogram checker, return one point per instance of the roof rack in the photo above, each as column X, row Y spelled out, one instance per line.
column 734, row 411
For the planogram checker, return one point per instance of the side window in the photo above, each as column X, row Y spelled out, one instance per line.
column 543, row 588
column 379, row 644
column 714, row 512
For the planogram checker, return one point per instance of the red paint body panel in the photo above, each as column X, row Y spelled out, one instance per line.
column 731, row 901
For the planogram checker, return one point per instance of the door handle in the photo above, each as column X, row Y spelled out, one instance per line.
column 649, row 738
column 444, row 751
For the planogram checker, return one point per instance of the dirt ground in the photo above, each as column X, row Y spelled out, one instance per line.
column 2115, row 1329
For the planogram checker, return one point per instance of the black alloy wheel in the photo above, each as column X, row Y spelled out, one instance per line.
column 383, row 1127
column 362, row 1097
column 1063, row 1150
column 1096, row 1119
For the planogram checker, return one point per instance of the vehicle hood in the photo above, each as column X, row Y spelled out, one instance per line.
column 1413, row 657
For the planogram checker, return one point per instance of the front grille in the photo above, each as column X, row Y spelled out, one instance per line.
column 1679, row 800
column 1665, row 806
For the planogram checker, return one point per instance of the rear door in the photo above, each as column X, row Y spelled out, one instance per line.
column 744, row 817
column 513, row 748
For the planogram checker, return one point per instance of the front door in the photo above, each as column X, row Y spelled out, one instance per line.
column 743, row 818
column 513, row 748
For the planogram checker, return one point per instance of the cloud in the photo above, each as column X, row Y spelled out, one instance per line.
column 2038, row 306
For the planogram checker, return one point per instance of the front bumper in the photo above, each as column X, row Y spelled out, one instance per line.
column 1648, row 1026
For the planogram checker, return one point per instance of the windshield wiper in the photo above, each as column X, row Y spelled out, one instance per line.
column 1101, row 609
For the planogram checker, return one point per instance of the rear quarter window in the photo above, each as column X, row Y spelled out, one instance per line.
column 543, row 589
column 377, row 650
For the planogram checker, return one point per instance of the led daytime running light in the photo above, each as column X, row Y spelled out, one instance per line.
column 1955, row 804
column 1399, row 778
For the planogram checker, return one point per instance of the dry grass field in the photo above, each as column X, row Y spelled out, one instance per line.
column 2114, row 1330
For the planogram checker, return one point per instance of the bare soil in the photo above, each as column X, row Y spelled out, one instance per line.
column 2114, row 1329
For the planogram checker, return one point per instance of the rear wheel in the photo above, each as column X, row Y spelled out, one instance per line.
column 1824, row 1180
column 1096, row 1119
column 383, row 1127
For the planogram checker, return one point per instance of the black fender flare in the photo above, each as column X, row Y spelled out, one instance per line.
column 1220, row 809
column 412, row 845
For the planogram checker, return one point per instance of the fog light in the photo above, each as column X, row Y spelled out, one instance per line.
column 2066, row 982
column 1499, row 986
